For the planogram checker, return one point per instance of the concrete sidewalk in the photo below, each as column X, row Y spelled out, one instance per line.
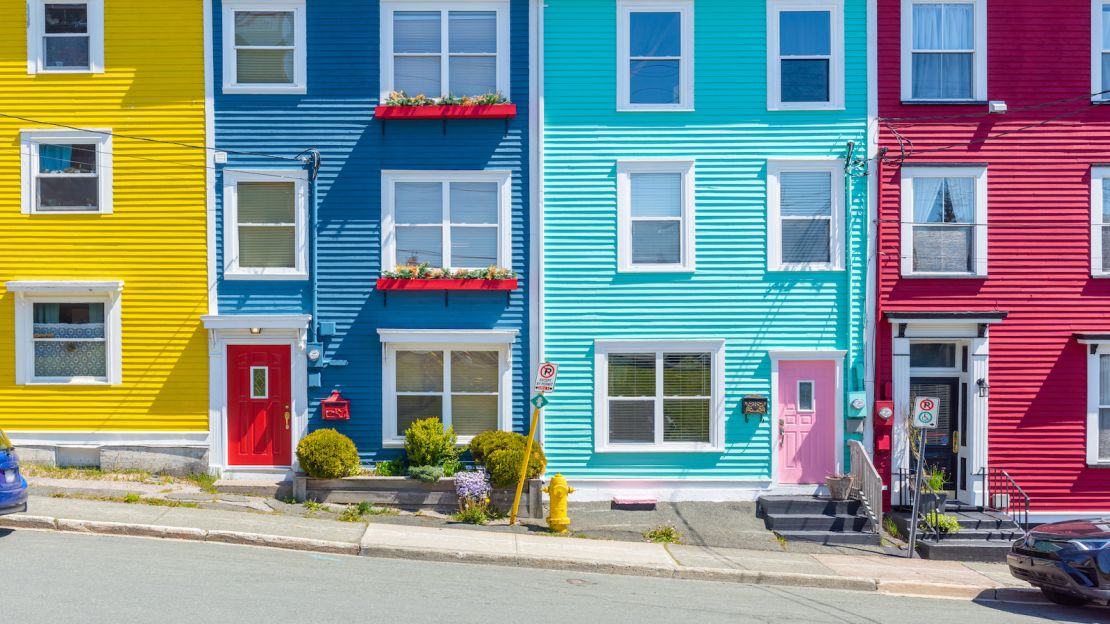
column 885, row 574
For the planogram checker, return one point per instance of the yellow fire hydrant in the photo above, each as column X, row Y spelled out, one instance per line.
column 558, row 490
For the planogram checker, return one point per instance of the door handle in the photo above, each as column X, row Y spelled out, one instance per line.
column 287, row 418
column 782, row 432
column 955, row 441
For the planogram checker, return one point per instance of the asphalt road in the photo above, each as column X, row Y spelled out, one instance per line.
column 57, row 577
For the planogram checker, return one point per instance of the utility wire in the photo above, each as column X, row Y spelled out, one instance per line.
column 1085, row 96
column 258, row 172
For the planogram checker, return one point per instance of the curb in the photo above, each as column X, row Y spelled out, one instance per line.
column 726, row 575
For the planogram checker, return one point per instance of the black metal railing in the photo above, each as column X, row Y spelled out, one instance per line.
column 1002, row 494
column 929, row 506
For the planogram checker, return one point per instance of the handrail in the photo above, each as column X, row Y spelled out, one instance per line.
column 999, row 492
column 867, row 484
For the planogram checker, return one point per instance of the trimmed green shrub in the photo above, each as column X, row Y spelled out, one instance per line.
column 501, row 452
column 427, row 474
column 391, row 468
column 427, row 443
column 485, row 443
column 328, row 454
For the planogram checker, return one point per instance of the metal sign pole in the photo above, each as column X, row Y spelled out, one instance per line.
column 524, row 463
column 916, row 490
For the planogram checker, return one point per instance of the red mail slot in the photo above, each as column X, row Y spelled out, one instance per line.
column 335, row 407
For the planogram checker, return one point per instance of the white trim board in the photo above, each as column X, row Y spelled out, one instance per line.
column 679, row 490
column 210, row 160
column 260, row 321
column 1045, row 517
column 98, row 439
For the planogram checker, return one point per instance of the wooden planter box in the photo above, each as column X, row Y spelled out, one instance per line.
column 410, row 494
column 400, row 283
column 451, row 111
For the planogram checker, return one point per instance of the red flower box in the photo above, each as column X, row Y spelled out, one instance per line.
column 398, row 283
column 453, row 111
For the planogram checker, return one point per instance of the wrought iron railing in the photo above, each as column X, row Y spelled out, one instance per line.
column 1002, row 494
column 867, row 485
column 930, row 505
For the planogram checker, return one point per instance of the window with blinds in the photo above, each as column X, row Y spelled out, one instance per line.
column 944, row 221
column 659, row 398
column 656, row 215
column 264, row 224
column 944, row 50
column 805, row 215
column 1104, row 408
column 264, row 46
column 460, row 387
column 443, row 52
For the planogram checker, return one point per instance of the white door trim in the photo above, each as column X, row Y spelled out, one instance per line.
column 218, row 341
column 806, row 355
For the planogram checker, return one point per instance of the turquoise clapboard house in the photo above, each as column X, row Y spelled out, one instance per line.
column 704, row 223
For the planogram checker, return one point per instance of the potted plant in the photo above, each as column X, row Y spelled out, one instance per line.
column 933, row 495
column 840, row 485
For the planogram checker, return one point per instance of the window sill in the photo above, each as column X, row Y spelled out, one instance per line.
column 817, row 106
column 945, row 276
column 805, row 268
column 655, row 109
column 46, row 213
column 263, row 90
column 68, row 382
column 1102, row 465
column 944, row 103
column 70, row 72
column 390, row 283
column 399, row 443
column 643, row 449
column 292, row 277
column 488, row 111
column 656, row 269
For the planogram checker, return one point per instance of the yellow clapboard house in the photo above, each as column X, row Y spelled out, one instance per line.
column 103, row 275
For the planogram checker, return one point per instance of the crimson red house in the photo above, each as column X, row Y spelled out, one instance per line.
column 993, row 260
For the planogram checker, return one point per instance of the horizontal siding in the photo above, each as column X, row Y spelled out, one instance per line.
column 1038, row 237
column 155, row 239
column 731, row 295
column 336, row 116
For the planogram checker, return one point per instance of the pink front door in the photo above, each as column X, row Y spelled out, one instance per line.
column 806, row 411
column 258, row 402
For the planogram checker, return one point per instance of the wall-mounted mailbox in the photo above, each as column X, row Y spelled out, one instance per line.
column 754, row 405
column 335, row 407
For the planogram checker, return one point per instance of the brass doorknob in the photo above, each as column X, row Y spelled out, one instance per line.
column 287, row 420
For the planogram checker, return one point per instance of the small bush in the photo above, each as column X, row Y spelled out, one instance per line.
column 943, row 522
column 665, row 534
column 391, row 468
column 428, row 443
column 487, row 442
column 328, row 454
column 427, row 474
column 350, row 514
column 501, row 452
column 472, row 514
column 452, row 467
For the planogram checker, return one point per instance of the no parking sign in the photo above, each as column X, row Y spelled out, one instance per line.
column 925, row 411
column 545, row 377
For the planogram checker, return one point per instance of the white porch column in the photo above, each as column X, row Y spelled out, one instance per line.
column 978, row 415
column 900, row 378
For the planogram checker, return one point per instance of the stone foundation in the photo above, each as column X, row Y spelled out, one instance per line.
column 178, row 461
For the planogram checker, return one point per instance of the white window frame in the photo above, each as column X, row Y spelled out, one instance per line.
column 688, row 256
column 835, row 58
column 232, row 270
column 29, row 142
column 1099, row 175
column 979, row 238
column 1095, row 349
column 394, row 340
column 686, row 63
column 1097, row 51
column 812, row 396
column 28, row 293
column 979, row 64
column 504, row 41
column 300, row 46
column 837, row 226
column 604, row 348
column 36, row 30
column 503, row 179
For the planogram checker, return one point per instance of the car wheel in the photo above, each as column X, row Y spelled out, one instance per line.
column 1061, row 598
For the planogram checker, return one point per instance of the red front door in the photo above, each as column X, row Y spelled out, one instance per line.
column 258, row 405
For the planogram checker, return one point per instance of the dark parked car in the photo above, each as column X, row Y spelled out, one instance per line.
column 13, row 487
column 1068, row 561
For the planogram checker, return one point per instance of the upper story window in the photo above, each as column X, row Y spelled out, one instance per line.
column 264, row 224
column 1100, row 50
column 944, row 221
column 1100, row 221
column 66, row 172
column 805, row 54
column 805, row 215
column 658, row 395
column 448, row 219
column 65, row 37
column 445, row 49
column 655, row 55
column 67, row 332
column 264, row 46
column 655, row 216
column 944, row 50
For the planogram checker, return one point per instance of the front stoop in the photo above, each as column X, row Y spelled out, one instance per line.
column 817, row 519
column 985, row 536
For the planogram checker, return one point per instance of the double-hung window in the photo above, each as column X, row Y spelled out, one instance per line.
column 944, row 50
column 67, row 332
column 1100, row 221
column 655, row 55
column 655, row 216
column 1098, row 404
column 264, row 46
column 65, row 37
column 944, row 221
column 463, row 378
column 805, row 54
column 66, row 172
column 805, row 220
column 1100, row 50
column 445, row 49
column 665, row 395
column 448, row 219
column 264, row 224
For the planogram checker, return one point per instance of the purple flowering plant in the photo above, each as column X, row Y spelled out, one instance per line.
column 473, row 490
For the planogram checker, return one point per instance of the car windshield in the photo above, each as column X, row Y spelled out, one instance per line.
column 5, row 443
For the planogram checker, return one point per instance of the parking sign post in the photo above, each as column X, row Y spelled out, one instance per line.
column 924, row 416
column 545, row 382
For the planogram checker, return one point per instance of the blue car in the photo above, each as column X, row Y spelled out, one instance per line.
column 13, row 487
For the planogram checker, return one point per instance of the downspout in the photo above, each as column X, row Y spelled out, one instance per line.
column 311, row 158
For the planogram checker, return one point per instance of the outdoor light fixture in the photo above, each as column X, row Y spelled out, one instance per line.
column 256, row 331
column 984, row 388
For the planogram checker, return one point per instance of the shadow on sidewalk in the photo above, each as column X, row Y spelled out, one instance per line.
column 1054, row 613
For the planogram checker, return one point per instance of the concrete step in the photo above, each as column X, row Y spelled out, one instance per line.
column 276, row 488
column 815, row 522
column 964, row 550
column 832, row 538
column 805, row 505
